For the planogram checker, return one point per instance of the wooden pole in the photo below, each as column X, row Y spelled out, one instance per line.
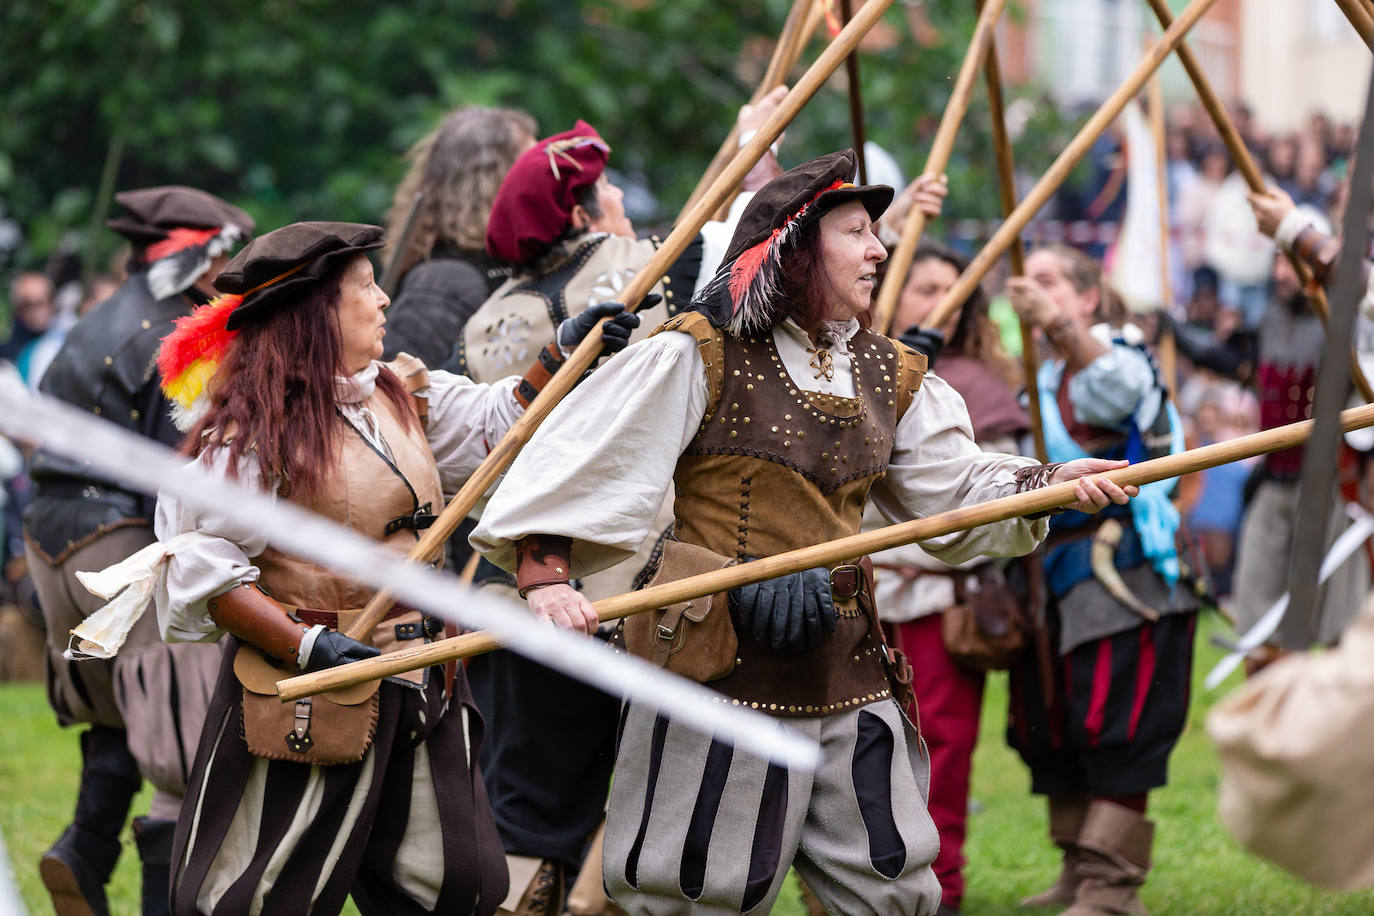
column 1235, row 145
column 391, row 273
column 1016, row 254
column 856, row 102
column 1167, row 349
column 832, row 552
column 1059, row 171
column 1360, row 18
column 785, row 53
column 585, row 356
column 940, row 149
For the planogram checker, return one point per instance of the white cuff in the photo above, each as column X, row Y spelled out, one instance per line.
column 308, row 644
column 1293, row 222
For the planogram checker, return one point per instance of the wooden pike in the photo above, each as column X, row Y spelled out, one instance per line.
column 431, row 543
column 1235, row 145
column 1167, row 349
column 1360, row 18
column 856, row 102
column 940, row 150
column 794, row 36
column 1059, row 171
column 1006, row 174
column 831, row 552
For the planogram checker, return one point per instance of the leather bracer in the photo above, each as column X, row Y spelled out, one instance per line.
column 247, row 612
column 537, row 376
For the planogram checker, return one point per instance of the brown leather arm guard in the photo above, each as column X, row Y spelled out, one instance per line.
column 247, row 612
column 537, row 376
column 542, row 559
column 1033, row 478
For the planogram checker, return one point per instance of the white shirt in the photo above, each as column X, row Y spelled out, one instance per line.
column 598, row 468
column 465, row 420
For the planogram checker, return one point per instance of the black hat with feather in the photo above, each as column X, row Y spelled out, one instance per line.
column 180, row 231
column 742, row 297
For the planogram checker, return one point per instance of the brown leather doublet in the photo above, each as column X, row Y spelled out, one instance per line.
column 774, row 468
column 364, row 490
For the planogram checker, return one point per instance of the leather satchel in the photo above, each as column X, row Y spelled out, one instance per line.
column 695, row 638
column 332, row 728
column 986, row 627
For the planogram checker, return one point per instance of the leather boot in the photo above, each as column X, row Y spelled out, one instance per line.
column 154, row 839
column 78, row 866
column 1067, row 813
column 1115, row 846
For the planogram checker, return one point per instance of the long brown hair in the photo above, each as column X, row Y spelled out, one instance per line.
column 273, row 393
column 458, row 167
column 975, row 335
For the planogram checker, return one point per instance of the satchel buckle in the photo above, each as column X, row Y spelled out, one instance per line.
column 298, row 740
column 846, row 581
column 664, row 632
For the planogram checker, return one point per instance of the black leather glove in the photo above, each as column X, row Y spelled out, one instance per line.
column 791, row 613
column 615, row 333
column 924, row 340
column 331, row 648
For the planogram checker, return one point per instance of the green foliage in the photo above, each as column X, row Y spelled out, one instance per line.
column 301, row 109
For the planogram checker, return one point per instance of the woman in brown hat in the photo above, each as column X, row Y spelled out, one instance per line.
column 775, row 415
column 377, row 795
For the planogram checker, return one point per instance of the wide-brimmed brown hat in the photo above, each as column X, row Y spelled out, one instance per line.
column 286, row 262
column 740, row 296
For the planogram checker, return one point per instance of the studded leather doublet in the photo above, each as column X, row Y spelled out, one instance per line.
column 774, row 468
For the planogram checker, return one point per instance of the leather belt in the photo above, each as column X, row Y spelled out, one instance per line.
column 331, row 618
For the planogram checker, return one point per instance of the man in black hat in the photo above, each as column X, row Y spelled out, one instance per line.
column 774, row 415
column 145, row 707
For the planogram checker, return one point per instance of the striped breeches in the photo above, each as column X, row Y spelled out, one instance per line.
column 696, row 827
column 406, row 830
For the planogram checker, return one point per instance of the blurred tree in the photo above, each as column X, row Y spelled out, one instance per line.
column 301, row 109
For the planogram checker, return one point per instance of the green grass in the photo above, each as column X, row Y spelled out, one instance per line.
column 1198, row 868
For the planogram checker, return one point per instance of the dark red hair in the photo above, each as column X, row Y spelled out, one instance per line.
column 273, row 393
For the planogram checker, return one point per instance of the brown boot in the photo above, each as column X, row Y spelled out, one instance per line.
column 1115, row 846
column 1067, row 813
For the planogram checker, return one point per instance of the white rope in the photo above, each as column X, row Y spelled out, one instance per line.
column 144, row 465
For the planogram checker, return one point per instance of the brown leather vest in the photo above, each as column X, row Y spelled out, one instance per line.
column 366, row 490
column 775, row 468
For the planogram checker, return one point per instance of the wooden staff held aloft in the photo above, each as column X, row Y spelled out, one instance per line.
column 1059, row 171
column 1006, row 173
column 431, row 543
column 940, row 150
column 1167, row 349
column 832, row 552
column 1360, row 18
column 796, row 31
column 1245, row 163
column 856, row 102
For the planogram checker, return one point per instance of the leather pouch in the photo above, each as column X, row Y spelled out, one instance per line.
column 696, row 638
column 986, row 628
column 324, row 730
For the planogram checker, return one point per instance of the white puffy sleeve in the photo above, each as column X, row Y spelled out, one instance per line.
column 466, row 420
column 209, row 562
column 598, row 468
column 1113, row 387
column 936, row 466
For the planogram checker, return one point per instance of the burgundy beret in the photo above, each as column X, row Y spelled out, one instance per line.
column 535, row 201
column 286, row 262
column 151, row 213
